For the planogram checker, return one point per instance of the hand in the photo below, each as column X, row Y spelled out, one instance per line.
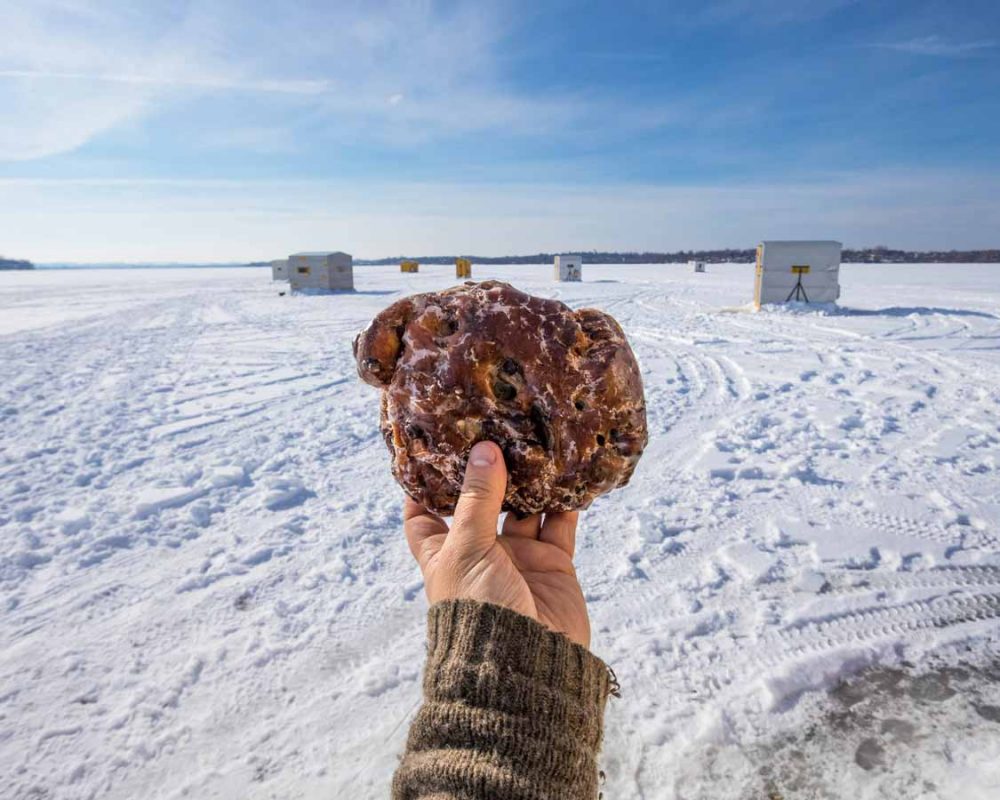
column 529, row 568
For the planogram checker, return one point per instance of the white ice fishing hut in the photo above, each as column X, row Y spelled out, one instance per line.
column 279, row 270
column 569, row 268
column 807, row 272
column 697, row 266
column 321, row 272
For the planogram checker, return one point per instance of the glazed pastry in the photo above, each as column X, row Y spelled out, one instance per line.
column 558, row 390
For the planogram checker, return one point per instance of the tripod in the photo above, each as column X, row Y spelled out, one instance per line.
column 798, row 291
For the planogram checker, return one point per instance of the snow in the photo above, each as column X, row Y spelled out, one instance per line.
column 206, row 593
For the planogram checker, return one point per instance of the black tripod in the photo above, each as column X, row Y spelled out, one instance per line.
column 798, row 291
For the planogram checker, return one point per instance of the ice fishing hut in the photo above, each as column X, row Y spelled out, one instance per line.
column 463, row 268
column 321, row 272
column 697, row 266
column 409, row 266
column 569, row 268
column 807, row 272
column 279, row 269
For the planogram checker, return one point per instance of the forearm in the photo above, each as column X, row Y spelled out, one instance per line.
column 511, row 711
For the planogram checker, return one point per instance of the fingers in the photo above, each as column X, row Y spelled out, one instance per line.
column 524, row 527
column 560, row 529
column 419, row 524
column 475, row 525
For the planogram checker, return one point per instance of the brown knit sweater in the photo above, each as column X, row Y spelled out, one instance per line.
column 512, row 711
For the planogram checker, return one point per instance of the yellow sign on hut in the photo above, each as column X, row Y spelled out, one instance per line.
column 463, row 268
column 409, row 266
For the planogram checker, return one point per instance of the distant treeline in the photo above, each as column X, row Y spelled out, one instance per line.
column 13, row 263
column 870, row 255
column 883, row 255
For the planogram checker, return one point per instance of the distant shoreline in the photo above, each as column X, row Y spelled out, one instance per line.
column 15, row 265
column 54, row 266
column 870, row 255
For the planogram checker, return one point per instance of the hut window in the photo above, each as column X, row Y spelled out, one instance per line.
column 303, row 270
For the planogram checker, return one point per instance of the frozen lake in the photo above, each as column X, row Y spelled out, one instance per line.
column 206, row 593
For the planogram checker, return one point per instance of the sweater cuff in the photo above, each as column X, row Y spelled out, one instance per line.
column 511, row 706
column 496, row 642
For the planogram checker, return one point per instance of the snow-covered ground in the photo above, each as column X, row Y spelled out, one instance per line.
column 205, row 591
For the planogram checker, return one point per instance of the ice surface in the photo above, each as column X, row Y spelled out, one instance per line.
column 205, row 592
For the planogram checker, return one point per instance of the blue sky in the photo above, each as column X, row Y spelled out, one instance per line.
column 223, row 130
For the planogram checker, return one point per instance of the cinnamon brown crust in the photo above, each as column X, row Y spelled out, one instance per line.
column 558, row 390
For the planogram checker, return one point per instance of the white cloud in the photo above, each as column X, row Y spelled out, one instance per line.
column 71, row 70
column 42, row 39
column 66, row 220
column 198, row 82
column 937, row 46
column 62, row 118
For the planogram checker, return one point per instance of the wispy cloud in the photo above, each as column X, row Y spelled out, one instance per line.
column 307, row 87
column 397, row 70
column 937, row 46
column 45, row 116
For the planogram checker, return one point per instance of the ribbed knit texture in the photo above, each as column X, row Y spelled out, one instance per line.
column 512, row 711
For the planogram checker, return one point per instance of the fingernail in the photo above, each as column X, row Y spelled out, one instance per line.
column 482, row 455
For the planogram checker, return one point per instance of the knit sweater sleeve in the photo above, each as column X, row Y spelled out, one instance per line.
column 512, row 711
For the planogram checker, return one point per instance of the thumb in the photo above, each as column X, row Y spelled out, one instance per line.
column 478, row 508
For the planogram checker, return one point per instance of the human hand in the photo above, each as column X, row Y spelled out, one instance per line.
column 528, row 568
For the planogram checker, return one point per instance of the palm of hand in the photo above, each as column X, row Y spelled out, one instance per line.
column 529, row 568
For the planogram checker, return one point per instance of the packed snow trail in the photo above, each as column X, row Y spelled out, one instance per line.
column 206, row 592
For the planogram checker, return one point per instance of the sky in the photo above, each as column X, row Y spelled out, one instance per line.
column 216, row 130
